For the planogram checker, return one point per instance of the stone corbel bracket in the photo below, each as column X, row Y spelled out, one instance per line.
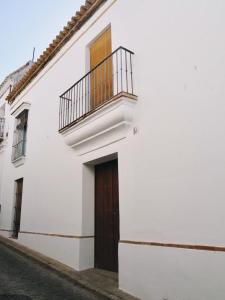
column 105, row 126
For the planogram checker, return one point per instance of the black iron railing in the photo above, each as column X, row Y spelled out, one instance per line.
column 2, row 125
column 111, row 77
column 18, row 150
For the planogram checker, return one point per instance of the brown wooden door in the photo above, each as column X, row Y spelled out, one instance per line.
column 101, row 77
column 106, row 216
column 18, row 203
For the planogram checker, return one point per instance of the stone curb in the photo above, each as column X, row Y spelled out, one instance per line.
column 64, row 271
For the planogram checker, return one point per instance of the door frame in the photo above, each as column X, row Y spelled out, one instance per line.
column 87, row 257
column 87, row 48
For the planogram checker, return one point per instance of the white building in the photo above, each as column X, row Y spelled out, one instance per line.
column 131, row 153
column 5, row 116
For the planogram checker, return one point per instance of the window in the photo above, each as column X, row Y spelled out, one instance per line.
column 2, row 123
column 19, row 145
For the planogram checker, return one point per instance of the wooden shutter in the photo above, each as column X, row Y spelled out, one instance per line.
column 101, row 77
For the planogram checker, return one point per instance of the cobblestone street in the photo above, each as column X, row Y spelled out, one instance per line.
column 23, row 279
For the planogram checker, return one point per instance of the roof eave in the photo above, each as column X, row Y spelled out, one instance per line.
column 76, row 22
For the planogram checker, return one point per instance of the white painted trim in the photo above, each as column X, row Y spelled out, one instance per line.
column 19, row 161
column 20, row 108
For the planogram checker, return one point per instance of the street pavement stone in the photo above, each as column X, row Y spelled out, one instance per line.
column 23, row 279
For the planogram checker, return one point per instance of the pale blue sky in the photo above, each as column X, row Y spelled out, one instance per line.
column 25, row 24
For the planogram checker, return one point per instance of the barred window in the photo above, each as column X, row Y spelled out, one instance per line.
column 20, row 133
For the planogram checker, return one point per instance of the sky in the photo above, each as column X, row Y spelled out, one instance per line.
column 25, row 24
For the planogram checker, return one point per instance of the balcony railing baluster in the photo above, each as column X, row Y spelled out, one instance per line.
column 111, row 77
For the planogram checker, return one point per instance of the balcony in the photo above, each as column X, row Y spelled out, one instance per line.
column 2, row 125
column 93, row 99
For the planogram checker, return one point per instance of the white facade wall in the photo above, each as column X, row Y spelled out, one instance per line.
column 6, row 196
column 171, row 172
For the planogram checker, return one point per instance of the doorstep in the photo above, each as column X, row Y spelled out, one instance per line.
column 102, row 282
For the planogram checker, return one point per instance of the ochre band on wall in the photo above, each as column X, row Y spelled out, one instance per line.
column 173, row 245
column 59, row 235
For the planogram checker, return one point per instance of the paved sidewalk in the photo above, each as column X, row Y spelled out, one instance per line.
column 23, row 279
column 101, row 283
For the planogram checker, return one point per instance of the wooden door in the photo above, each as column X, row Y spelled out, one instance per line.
column 101, row 77
column 106, row 216
column 18, row 203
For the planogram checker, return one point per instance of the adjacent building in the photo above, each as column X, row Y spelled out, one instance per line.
column 5, row 115
column 114, row 150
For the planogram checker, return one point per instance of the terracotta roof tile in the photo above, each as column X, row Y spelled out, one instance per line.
column 60, row 40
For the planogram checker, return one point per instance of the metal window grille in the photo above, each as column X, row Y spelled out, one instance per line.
column 19, row 146
column 2, row 125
